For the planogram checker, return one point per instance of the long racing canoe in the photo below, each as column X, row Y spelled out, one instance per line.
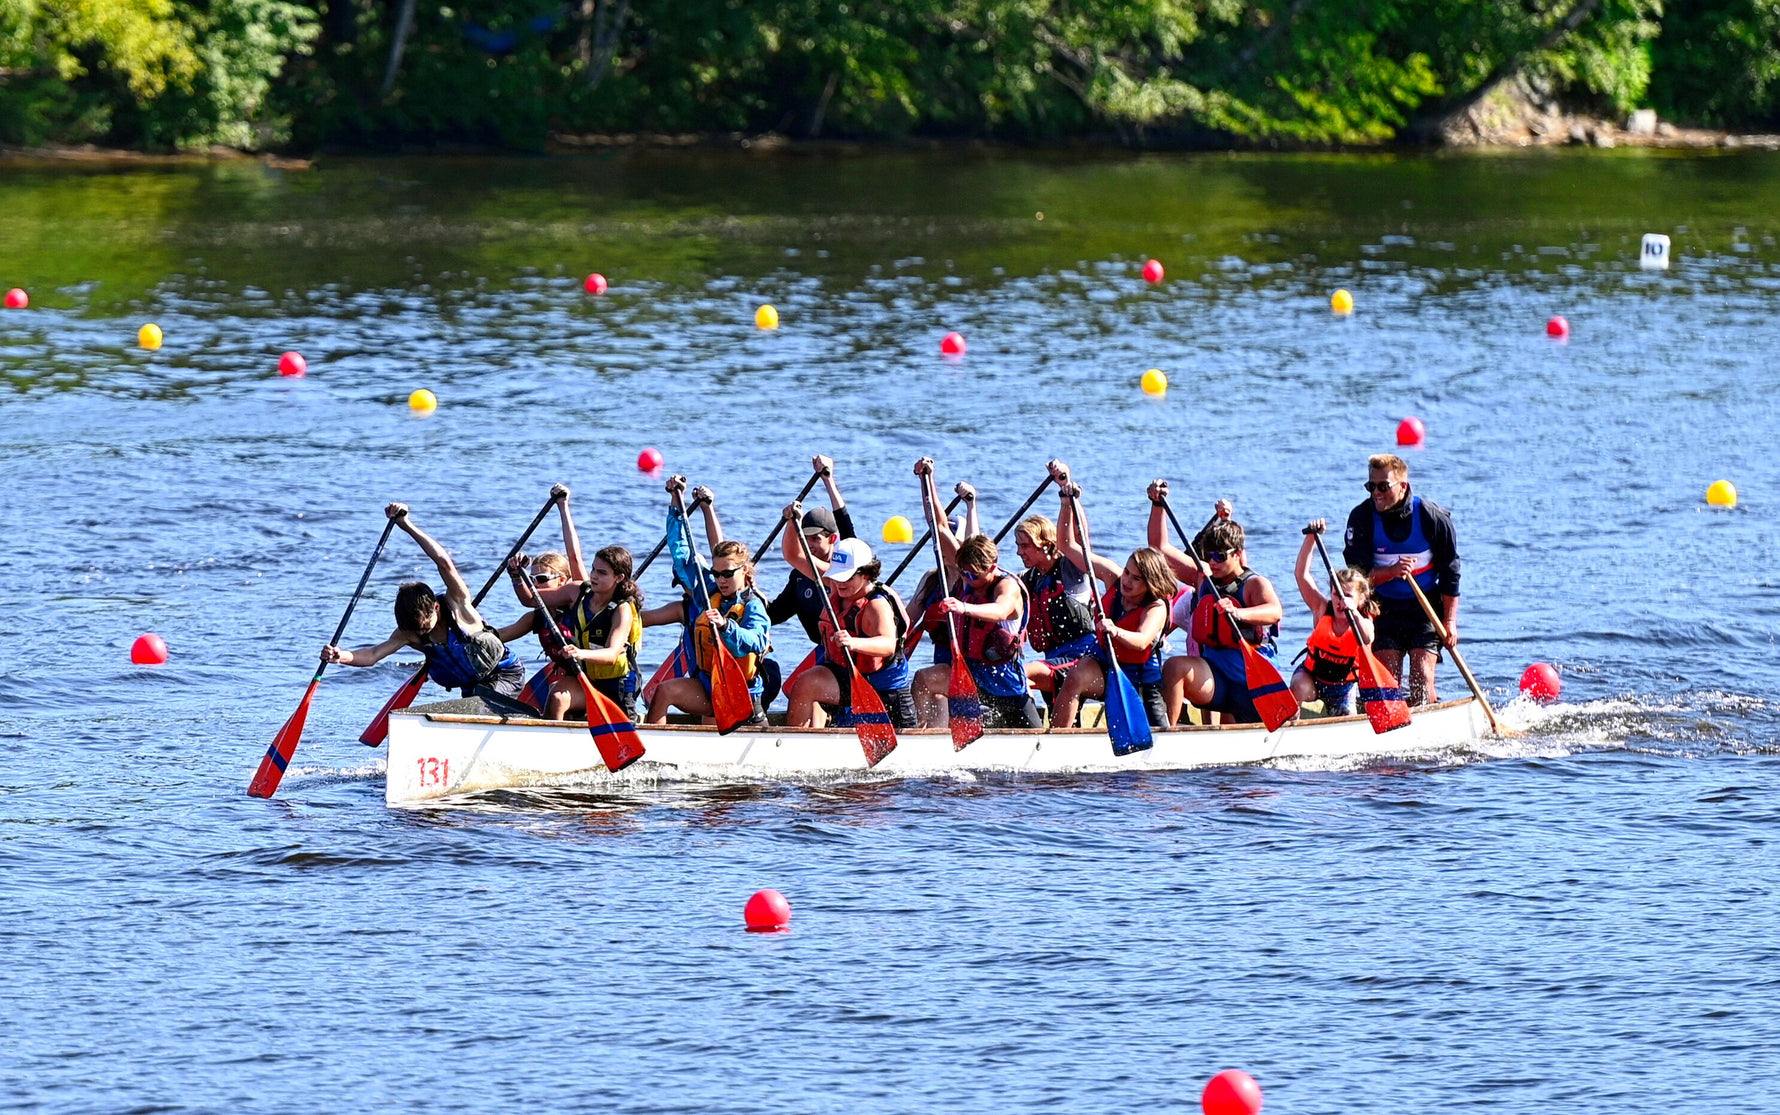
column 455, row 747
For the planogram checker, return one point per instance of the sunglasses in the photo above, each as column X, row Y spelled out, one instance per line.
column 1380, row 485
column 1215, row 556
column 973, row 578
column 545, row 578
column 726, row 574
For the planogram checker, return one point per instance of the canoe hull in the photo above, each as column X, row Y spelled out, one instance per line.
column 437, row 754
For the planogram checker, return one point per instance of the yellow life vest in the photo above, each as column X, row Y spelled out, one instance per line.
column 591, row 630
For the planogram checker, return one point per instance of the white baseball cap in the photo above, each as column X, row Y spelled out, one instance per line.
column 849, row 556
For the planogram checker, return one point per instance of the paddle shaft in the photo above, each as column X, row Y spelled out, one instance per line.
column 537, row 520
column 656, row 552
column 809, row 486
column 1457, row 658
column 1024, row 507
column 1081, row 532
column 921, row 541
column 1204, row 570
column 939, row 561
column 363, row 579
column 1335, row 588
column 827, row 601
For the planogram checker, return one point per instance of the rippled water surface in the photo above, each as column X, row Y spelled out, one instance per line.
column 1580, row 919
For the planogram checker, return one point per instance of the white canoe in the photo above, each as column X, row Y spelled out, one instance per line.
column 438, row 751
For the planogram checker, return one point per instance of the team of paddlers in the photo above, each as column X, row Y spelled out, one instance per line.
column 1054, row 629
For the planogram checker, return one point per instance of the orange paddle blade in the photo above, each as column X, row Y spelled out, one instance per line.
column 1271, row 695
column 284, row 745
column 731, row 703
column 964, row 705
column 877, row 736
column 378, row 730
column 1381, row 694
column 612, row 731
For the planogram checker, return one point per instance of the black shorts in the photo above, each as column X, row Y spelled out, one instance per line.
column 899, row 703
column 1010, row 712
column 1402, row 626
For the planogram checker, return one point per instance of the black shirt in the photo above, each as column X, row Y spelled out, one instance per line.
column 1443, row 541
column 802, row 597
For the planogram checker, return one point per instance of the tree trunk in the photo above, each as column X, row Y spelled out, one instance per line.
column 1430, row 126
column 397, row 45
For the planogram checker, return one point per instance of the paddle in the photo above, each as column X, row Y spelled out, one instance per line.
column 1383, row 698
column 1127, row 724
column 871, row 722
column 1024, row 507
column 378, row 730
column 1459, row 661
column 1267, row 691
column 964, row 705
column 612, row 731
column 284, row 744
column 772, row 535
column 731, row 703
column 919, row 542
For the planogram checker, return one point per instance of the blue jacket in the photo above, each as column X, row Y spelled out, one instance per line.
column 749, row 634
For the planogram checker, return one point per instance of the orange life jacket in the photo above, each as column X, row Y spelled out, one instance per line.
column 1332, row 659
column 704, row 640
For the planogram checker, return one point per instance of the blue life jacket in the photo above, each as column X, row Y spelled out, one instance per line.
column 453, row 663
column 1387, row 552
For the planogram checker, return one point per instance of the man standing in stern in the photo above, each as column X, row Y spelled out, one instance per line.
column 1396, row 535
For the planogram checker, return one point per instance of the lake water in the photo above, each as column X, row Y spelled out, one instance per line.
column 1582, row 919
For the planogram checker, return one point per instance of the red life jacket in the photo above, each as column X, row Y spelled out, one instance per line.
column 1212, row 628
column 1332, row 659
column 851, row 613
column 1060, row 612
column 1114, row 603
column 992, row 642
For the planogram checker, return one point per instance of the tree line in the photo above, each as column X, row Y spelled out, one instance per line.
column 301, row 74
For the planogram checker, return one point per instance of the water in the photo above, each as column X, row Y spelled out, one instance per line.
column 1579, row 919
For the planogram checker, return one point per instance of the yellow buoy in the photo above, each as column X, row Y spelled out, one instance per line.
column 1341, row 302
column 1722, row 493
column 423, row 401
column 149, row 336
column 898, row 529
column 1154, row 382
column 766, row 317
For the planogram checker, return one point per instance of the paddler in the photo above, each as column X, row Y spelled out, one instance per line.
column 1237, row 603
column 1136, row 602
column 990, row 610
column 822, row 530
column 720, row 604
column 1058, row 585
column 598, row 611
column 874, row 627
column 462, row 652
column 930, row 685
column 1330, row 672
column 1397, row 534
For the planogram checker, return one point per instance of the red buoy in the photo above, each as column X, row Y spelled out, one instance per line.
column 1410, row 431
column 952, row 344
column 1557, row 327
column 148, row 650
column 1231, row 1092
column 649, row 460
column 1540, row 681
column 292, row 364
column 767, row 912
column 595, row 284
column 17, row 299
column 1152, row 271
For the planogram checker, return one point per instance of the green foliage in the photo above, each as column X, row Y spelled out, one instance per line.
column 249, row 73
column 1718, row 62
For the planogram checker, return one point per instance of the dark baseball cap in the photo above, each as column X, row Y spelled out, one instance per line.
column 819, row 520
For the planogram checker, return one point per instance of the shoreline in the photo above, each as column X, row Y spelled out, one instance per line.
column 1537, row 133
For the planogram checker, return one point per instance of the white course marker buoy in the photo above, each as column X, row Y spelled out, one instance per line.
column 1653, row 255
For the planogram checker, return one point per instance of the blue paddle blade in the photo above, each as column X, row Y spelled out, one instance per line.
column 1126, row 721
